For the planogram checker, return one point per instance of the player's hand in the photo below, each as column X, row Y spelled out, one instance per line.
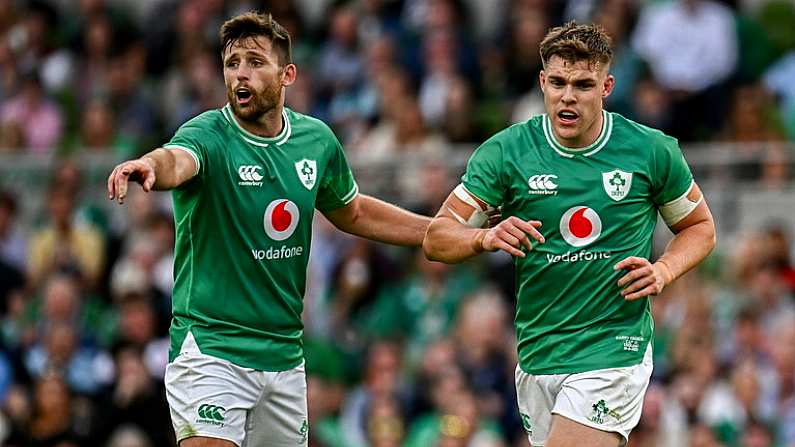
column 140, row 171
column 511, row 234
column 643, row 279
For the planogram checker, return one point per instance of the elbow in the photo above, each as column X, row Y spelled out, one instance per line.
column 430, row 247
column 427, row 247
column 713, row 238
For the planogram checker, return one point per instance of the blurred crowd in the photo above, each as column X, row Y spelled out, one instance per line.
column 400, row 351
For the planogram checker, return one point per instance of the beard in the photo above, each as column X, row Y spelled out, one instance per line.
column 262, row 102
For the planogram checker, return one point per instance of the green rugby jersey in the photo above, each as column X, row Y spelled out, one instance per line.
column 598, row 206
column 243, row 233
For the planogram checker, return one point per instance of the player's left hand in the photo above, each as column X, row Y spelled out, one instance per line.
column 643, row 279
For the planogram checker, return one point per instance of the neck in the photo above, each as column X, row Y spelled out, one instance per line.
column 586, row 138
column 270, row 124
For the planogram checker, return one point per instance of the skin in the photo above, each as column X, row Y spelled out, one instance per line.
column 255, row 65
column 581, row 88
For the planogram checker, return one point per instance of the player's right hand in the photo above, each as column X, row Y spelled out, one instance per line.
column 511, row 234
column 139, row 171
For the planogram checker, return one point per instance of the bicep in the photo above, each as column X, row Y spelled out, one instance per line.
column 466, row 208
column 344, row 216
column 697, row 214
column 186, row 165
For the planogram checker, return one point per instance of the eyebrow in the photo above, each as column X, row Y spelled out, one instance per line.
column 248, row 53
column 578, row 82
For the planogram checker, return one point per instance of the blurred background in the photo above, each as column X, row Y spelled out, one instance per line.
column 400, row 351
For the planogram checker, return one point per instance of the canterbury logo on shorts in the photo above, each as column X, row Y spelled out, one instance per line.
column 211, row 412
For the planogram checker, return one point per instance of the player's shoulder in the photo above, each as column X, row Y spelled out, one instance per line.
column 206, row 120
column 516, row 135
column 628, row 130
column 301, row 123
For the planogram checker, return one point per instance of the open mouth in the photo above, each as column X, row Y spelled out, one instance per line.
column 568, row 117
column 243, row 95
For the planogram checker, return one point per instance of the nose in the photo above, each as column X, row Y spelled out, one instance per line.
column 243, row 72
column 568, row 95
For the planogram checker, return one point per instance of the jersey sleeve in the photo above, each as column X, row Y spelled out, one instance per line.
column 483, row 175
column 337, row 187
column 191, row 138
column 672, row 177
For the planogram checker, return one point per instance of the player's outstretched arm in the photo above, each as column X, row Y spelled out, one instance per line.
column 694, row 238
column 454, row 236
column 160, row 169
column 375, row 219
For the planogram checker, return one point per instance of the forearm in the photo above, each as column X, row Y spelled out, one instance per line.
column 688, row 247
column 164, row 162
column 450, row 241
column 384, row 222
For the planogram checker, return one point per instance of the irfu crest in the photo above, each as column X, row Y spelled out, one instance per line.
column 617, row 183
column 307, row 172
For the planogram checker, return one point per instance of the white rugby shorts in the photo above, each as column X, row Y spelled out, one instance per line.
column 606, row 399
column 212, row 397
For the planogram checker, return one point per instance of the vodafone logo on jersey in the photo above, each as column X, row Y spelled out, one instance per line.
column 580, row 226
column 281, row 219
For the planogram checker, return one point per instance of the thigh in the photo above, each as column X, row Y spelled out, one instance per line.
column 280, row 417
column 607, row 400
column 200, row 441
column 209, row 398
column 535, row 395
column 568, row 433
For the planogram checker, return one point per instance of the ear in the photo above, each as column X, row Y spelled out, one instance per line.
column 541, row 78
column 289, row 73
column 607, row 88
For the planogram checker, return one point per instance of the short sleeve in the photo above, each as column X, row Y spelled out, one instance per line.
column 337, row 187
column 483, row 175
column 191, row 138
column 672, row 177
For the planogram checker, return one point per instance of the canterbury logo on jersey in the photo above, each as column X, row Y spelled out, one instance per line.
column 543, row 184
column 249, row 175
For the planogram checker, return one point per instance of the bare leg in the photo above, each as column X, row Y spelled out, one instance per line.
column 567, row 433
column 201, row 441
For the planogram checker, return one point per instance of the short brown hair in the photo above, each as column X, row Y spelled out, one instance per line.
column 574, row 42
column 254, row 24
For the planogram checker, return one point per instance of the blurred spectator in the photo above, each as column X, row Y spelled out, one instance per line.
column 381, row 381
column 13, row 251
column 192, row 87
column 420, row 309
column 63, row 246
column 136, row 404
column 778, row 80
column 131, row 103
column 98, row 132
column 691, row 48
column 402, row 131
column 616, row 17
column 52, row 422
column 752, row 117
column 36, row 47
column 84, row 370
column 30, row 119
column 340, row 67
column 363, row 270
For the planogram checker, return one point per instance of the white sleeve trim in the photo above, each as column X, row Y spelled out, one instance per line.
column 479, row 214
column 677, row 209
column 348, row 198
column 189, row 151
